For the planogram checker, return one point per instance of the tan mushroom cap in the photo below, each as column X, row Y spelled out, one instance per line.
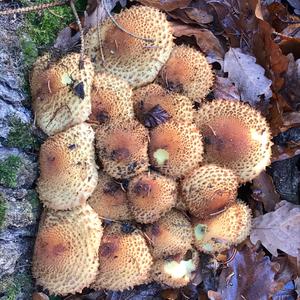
column 153, row 104
column 134, row 59
column 176, row 271
column 208, row 190
column 111, row 99
column 61, row 92
column 175, row 148
column 68, row 172
column 236, row 136
column 187, row 71
column 122, row 148
column 165, row 5
column 65, row 254
column 150, row 196
column 125, row 260
column 170, row 235
column 109, row 199
column 228, row 228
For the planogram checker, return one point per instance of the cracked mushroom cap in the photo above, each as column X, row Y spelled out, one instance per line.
column 136, row 55
column 68, row 172
column 61, row 92
column 208, row 190
column 188, row 72
column 111, row 99
column 153, row 105
column 176, row 271
column 235, row 136
column 122, row 148
column 175, row 148
column 228, row 228
column 150, row 196
column 125, row 260
column 170, row 235
column 65, row 254
column 109, row 199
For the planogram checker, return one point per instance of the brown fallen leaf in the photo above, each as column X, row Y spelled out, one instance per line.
column 225, row 89
column 248, row 76
column 279, row 229
column 39, row 296
column 249, row 275
column 166, row 5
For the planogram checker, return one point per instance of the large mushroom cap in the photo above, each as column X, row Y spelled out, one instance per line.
column 235, row 136
column 228, row 228
column 175, row 148
column 208, row 190
column 176, row 271
column 109, row 199
column 125, row 260
column 111, row 99
column 170, row 235
column 65, row 254
column 122, row 148
column 136, row 55
column 150, row 196
column 153, row 105
column 68, row 172
column 61, row 92
column 187, row 71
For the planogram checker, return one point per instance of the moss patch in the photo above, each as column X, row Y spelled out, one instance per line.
column 9, row 171
column 2, row 210
column 21, row 282
column 20, row 135
column 33, row 199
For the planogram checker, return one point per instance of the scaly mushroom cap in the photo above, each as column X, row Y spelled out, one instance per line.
column 153, row 106
column 68, row 172
column 176, row 271
column 61, row 92
column 137, row 59
column 170, row 235
column 150, row 196
column 109, row 199
column 236, row 136
column 175, row 148
column 228, row 228
column 122, row 148
column 165, row 5
column 125, row 260
column 187, row 71
column 111, row 99
column 65, row 254
column 208, row 190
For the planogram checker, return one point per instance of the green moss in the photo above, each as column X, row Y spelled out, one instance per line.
column 2, row 210
column 21, row 282
column 33, row 198
column 20, row 135
column 29, row 49
column 9, row 171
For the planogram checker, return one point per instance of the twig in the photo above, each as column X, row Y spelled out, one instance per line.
column 99, row 36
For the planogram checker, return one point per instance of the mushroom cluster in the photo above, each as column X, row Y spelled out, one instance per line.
column 136, row 182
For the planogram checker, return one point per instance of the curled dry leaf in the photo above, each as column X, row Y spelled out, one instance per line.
column 247, row 76
column 249, row 275
column 279, row 229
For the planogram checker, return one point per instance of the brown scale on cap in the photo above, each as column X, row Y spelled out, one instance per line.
column 187, row 71
column 170, row 235
column 175, row 148
column 61, row 92
column 135, row 59
column 235, row 136
column 228, row 228
column 208, row 190
column 68, row 172
column 122, row 148
column 65, row 253
column 153, row 106
column 125, row 260
column 150, row 196
column 109, row 199
column 176, row 271
column 111, row 99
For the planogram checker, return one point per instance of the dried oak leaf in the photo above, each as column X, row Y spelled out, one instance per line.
column 247, row 76
column 250, row 275
column 279, row 229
